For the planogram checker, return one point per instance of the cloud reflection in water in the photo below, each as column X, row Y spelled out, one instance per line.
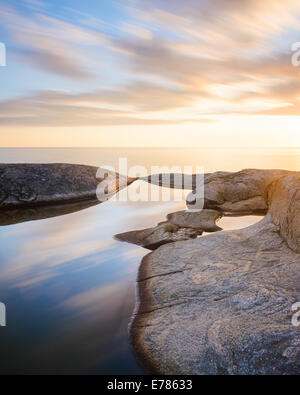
column 69, row 288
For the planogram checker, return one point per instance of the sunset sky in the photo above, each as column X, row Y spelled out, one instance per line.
column 150, row 73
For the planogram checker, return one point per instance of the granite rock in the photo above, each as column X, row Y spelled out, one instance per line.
column 222, row 303
column 240, row 192
column 283, row 199
column 204, row 219
column 24, row 185
column 159, row 235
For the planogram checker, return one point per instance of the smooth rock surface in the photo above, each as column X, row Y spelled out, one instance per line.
column 220, row 304
column 240, row 192
column 23, row 185
column 283, row 198
column 176, row 180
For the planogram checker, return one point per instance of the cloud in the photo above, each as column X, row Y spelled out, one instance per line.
column 213, row 49
column 50, row 44
column 54, row 60
column 181, row 60
column 237, row 22
column 51, row 108
column 145, row 97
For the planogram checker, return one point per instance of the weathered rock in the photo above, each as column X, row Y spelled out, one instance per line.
column 23, row 185
column 222, row 303
column 283, row 198
column 181, row 225
column 241, row 192
column 203, row 220
column 153, row 238
column 176, row 180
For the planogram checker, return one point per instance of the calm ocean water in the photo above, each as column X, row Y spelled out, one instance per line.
column 69, row 286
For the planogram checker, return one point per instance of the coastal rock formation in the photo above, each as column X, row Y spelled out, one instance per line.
column 233, row 192
column 222, row 303
column 176, row 180
column 163, row 233
column 241, row 192
column 283, row 198
column 181, row 225
column 23, row 185
column 204, row 219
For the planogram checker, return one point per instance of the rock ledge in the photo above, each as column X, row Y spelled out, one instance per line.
column 222, row 303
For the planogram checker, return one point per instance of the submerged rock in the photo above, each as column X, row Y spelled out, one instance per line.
column 222, row 303
column 23, row 185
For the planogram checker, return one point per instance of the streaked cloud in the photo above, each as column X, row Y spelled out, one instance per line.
column 136, row 104
column 49, row 43
column 155, row 63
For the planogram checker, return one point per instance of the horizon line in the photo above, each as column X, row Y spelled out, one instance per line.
column 152, row 147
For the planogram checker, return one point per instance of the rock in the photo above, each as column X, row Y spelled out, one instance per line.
column 181, row 225
column 222, row 303
column 283, row 198
column 241, row 192
column 204, row 220
column 24, row 185
column 153, row 238
column 175, row 180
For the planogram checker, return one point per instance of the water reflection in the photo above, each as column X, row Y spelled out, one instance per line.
column 16, row 216
column 69, row 288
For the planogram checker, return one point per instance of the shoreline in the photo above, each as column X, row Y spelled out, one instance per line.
column 163, row 340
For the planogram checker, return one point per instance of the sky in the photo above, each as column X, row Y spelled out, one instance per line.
column 100, row 73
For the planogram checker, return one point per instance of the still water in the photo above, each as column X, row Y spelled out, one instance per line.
column 69, row 286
